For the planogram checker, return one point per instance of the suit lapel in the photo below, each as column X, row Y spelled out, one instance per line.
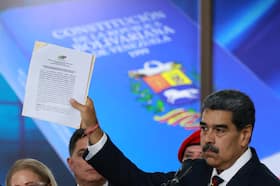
column 241, row 178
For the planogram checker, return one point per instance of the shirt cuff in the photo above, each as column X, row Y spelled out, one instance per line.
column 95, row 148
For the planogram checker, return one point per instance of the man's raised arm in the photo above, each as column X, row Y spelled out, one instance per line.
column 89, row 120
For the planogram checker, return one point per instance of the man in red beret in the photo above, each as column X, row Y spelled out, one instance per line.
column 190, row 148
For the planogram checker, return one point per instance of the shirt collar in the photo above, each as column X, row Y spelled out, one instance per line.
column 227, row 174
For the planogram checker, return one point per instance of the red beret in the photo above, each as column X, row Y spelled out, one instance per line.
column 193, row 139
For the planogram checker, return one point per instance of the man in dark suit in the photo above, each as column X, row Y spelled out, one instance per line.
column 227, row 123
column 85, row 175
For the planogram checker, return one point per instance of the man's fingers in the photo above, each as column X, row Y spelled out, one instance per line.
column 87, row 112
column 89, row 102
column 76, row 104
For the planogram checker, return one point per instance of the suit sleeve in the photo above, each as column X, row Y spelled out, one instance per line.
column 118, row 170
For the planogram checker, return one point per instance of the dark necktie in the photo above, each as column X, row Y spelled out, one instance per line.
column 216, row 180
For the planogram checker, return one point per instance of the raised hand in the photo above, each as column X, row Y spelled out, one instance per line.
column 87, row 111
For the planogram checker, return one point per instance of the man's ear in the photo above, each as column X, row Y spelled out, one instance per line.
column 70, row 162
column 246, row 134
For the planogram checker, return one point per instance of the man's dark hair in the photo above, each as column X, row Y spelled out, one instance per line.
column 78, row 134
column 241, row 106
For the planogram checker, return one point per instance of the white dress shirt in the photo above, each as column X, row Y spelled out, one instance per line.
column 95, row 148
column 227, row 174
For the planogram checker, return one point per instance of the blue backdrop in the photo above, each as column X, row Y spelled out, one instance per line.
column 132, row 37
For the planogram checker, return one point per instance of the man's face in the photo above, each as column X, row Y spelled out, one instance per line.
column 83, row 172
column 218, row 131
column 192, row 152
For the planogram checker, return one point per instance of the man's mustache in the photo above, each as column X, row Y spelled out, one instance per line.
column 210, row 147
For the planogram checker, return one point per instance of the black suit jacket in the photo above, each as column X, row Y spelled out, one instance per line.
column 120, row 171
column 253, row 173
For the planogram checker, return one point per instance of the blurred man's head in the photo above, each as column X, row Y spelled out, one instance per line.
column 227, row 122
column 84, row 173
column 190, row 148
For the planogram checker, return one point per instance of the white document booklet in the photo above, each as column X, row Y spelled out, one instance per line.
column 57, row 74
